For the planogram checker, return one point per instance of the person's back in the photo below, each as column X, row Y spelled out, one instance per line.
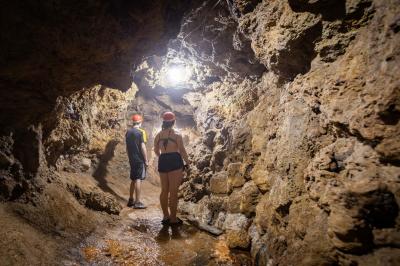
column 134, row 139
column 168, row 145
column 135, row 146
column 168, row 141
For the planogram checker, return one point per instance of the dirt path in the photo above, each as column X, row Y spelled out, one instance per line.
column 140, row 239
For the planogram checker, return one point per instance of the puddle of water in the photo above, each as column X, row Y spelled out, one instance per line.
column 147, row 242
column 140, row 239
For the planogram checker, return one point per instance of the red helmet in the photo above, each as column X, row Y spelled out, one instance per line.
column 168, row 117
column 136, row 118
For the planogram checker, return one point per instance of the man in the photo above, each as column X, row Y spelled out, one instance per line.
column 137, row 154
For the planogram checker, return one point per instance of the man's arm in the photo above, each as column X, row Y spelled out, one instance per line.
column 127, row 146
column 144, row 152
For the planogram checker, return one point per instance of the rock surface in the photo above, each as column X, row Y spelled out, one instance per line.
column 309, row 148
column 291, row 116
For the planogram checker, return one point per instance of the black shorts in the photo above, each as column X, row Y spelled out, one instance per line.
column 168, row 162
column 138, row 171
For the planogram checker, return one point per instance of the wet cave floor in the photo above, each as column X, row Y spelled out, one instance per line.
column 138, row 238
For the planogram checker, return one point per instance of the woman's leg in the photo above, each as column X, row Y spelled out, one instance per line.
column 175, row 180
column 164, row 194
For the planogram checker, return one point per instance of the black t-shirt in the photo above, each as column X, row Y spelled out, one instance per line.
column 134, row 140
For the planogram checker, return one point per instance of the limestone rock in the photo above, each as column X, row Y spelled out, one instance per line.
column 86, row 164
column 235, row 177
column 259, row 176
column 219, row 183
column 78, row 53
column 5, row 160
column 234, row 201
column 250, row 196
column 282, row 40
column 101, row 202
column 95, row 199
column 236, row 226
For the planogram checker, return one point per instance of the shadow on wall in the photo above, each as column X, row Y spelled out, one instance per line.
column 101, row 171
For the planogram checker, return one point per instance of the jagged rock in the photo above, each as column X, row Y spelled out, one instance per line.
column 259, row 176
column 78, row 53
column 244, row 6
column 235, row 176
column 196, row 211
column 28, row 149
column 101, row 122
column 5, row 160
column 282, row 40
column 219, row 156
column 86, row 164
column 250, row 196
column 101, row 202
column 95, row 199
column 209, row 138
column 211, row 229
column 236, row 226
column 351, row 221
column 234, row 201
column 219, row 183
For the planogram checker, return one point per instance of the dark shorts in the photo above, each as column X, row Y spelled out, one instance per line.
column 138, row 171
column 168, row 162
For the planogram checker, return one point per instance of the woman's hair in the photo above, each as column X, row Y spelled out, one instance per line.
column 167, row 124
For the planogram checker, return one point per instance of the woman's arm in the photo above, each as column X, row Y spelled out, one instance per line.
column 182, row 149
column 156, row 147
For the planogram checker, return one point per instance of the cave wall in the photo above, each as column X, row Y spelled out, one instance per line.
column 58, row 58
column 295, row 106
column 301, row 165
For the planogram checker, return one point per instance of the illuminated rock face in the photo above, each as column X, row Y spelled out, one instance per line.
column 309, row 149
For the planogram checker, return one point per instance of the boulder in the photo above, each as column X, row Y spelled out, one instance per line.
column 86, row 164
column 219, row 183
column 103, row 202
column 250, row 195
column 259, row 176
column 234, row 201
column 95, row 199
column 235, row 176
column 236, row 227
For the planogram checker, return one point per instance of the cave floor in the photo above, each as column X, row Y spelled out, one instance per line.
column 138, row 238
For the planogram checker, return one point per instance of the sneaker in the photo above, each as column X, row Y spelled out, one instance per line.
column 178, row 222
column 131, row 203
column 139, row 205
column 165, row 221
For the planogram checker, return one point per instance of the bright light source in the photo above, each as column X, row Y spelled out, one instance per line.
column 178, row 74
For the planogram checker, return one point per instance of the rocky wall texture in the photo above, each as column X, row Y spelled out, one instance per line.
column 56, row 48
column 301, row 165
column 60, row 60
column 295, row 105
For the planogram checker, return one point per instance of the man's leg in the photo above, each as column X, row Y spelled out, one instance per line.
column 137, row 189
column 138, row 183
column 131, row 189
column 131, row 202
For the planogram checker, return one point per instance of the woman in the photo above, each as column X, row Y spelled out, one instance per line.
column 168, row 145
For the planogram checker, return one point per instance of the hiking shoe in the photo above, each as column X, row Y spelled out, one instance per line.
column 178, row 222
column 139, row 205
column 165, row 221
column 131, row 203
